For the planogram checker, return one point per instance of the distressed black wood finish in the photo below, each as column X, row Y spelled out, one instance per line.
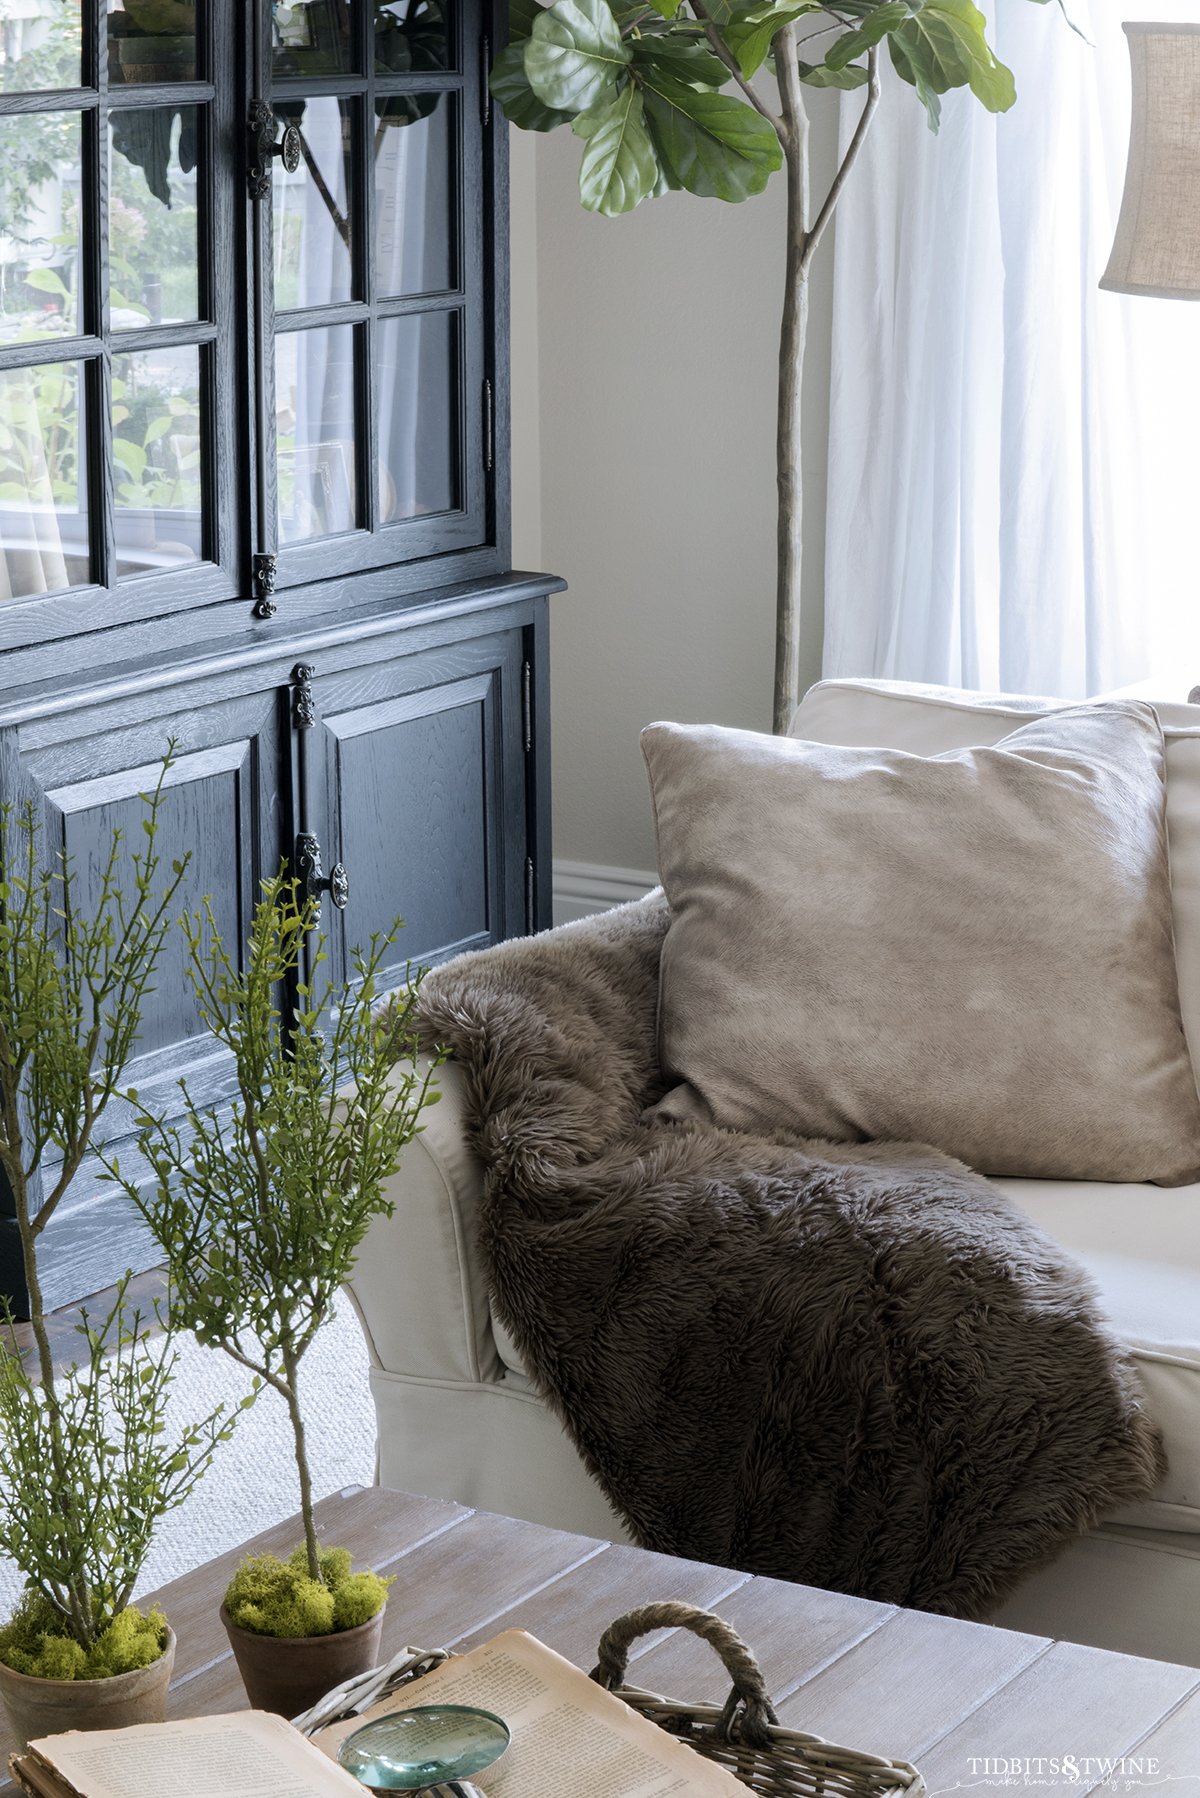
column 414, row 748
column 415, row 773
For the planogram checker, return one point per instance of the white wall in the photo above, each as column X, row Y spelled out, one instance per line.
column 644, row 380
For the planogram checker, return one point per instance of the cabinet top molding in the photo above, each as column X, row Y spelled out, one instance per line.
column 45, row 698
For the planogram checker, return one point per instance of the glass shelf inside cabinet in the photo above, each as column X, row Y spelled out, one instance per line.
column 413, row 35
column 150, row 41
column 312, row 37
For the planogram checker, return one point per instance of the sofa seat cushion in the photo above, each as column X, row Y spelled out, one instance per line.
column 1141, row 1245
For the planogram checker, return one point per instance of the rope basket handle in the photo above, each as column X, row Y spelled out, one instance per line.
column 748, row 1713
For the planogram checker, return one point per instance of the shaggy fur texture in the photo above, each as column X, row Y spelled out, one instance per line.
column 858, row 1367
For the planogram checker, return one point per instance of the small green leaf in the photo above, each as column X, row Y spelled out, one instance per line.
column 510, row 87
column 751, row 30
column 575, row 55
column 822, row 76
column 853, row 44
column 46, row 280
column 619, row 167
column 710, row 143
column 131, row 456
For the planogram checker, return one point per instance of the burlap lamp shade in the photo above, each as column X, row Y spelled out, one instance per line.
column 1157, row 247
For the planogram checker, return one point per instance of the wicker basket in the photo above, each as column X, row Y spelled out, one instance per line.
column 744, row 1735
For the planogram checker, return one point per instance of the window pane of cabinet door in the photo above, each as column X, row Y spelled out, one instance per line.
column 376, row 258
column 118, row 312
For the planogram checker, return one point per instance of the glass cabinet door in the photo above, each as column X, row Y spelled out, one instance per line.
column 376, row 267
column 116, row 327
column 244, row 309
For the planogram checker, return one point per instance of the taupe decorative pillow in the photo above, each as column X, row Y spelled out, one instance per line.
column 972, row 950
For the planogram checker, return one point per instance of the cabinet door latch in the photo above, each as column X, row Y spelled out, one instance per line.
column 262, row 147
column 312, row 877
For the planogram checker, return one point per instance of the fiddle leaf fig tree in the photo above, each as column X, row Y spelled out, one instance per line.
column 641, row 84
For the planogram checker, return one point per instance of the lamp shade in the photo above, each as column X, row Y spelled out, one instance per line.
column 1157, row 247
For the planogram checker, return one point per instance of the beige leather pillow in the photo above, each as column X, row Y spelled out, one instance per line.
column 972, row 950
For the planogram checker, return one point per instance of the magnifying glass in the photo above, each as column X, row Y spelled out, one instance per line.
column 430, row 1749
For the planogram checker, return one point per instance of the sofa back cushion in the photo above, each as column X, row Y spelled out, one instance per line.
column 973, row 949
column 927, row 720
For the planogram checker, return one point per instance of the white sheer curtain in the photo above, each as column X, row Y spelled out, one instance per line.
column 1014, row 478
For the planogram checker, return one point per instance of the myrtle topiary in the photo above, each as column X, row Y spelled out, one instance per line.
column 271, row 1597
column 33, row 1642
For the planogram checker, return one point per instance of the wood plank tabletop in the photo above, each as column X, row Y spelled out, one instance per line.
column 977, row 1709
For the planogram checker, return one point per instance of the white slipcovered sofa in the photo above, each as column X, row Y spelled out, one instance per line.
column 458, row 1417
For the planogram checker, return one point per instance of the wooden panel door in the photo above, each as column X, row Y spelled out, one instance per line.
column 413, row 779
column 222, row 811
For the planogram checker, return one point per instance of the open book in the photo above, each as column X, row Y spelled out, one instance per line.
column 568, row 1734
column 243, row 1754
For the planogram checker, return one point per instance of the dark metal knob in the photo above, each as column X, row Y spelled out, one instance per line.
column 289, row 148
column 262, row 146
column 312, row 877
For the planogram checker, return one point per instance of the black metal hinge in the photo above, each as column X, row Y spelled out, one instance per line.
column 489, row 427
column 263, row 569
column 304, row 705
column 485, row 70
column 529, row 920
column 527, row 705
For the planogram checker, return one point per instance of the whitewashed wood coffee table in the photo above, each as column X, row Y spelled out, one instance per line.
column 976, row 1709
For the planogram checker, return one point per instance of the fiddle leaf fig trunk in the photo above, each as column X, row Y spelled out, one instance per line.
column 640, row 83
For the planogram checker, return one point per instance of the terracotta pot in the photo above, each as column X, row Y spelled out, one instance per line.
column 45, row 1707
column 287, row 1674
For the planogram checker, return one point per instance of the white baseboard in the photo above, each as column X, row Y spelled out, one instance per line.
column 583, row 888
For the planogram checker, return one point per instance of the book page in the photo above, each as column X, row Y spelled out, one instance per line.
column 568, row 1734
column 243, row 1754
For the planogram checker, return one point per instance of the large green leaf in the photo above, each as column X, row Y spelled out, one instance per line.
column 819, row 75
column 575, row 55
column 687, row 59
column 876, row 25
column 750, row 30
column 710, row 143
column 944, row 45
column 619, row 166
column 913, row 69
column 510, row 88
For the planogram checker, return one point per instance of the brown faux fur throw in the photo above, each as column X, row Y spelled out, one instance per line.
column 857, row 1367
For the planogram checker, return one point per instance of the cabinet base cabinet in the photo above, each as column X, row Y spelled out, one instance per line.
column 400, row 765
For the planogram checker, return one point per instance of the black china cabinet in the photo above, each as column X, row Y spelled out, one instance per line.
column 254, row 485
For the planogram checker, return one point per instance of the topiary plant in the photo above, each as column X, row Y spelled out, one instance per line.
column 280, row 1598
column 260, row 1214
column 87, row 1466
column 32, row 1642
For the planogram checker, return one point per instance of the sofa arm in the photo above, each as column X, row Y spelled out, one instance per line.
column 417, row 1285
